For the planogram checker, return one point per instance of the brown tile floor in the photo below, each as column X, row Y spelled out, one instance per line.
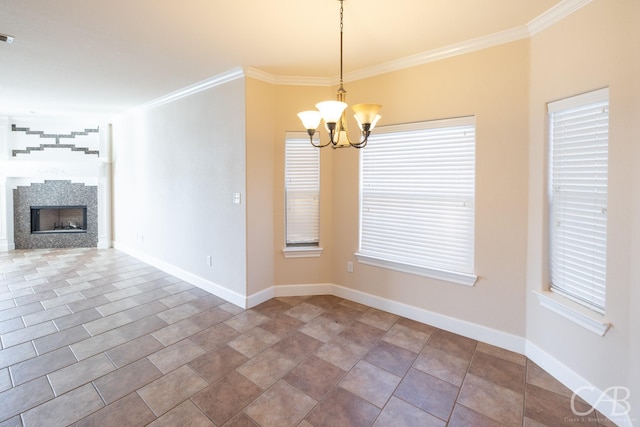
column 97, row 338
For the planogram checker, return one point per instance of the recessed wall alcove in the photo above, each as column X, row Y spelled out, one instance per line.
column 54, row 193
column 48, row 163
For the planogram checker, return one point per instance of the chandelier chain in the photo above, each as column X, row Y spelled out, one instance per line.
column 341, row 31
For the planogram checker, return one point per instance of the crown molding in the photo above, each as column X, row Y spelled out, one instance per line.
column 555, row 14
column 209, row 83
column 445, row 52
column 545, row 20
column 288, row 80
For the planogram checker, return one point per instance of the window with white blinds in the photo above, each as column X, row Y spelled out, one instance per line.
column 417, row 199
column 578, row 134
column 302, row 190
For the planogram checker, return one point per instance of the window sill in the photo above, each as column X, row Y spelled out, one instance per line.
column 302, row 252
column 573, row 311
column 447, row 276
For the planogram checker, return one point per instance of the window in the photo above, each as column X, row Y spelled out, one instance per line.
column 578, row 154
column 417, row 199
column 302, row 194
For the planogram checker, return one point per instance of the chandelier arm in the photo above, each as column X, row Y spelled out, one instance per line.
column 311, row 133
column 319, row 145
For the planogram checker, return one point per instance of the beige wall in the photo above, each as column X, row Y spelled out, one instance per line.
column 212, row 143
column 295, row 271
column 260, row 132
column 634, row 291
column 492, row 85
column 593, row 48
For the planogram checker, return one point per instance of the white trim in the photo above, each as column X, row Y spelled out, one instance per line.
column 202, row 283
column 557, row 369
column 448, row 276
column 304, row 290
column 575, row 382
column 302, row 252
column 288, row 80
column 462, row 327
column 203, row 85
column 553, row 366
column 536, row 25
column 545, row 20
column 573, row 311
column 6, row 247
column 439, row 54
column 555, row 14
column 598, row 95
column 431, row 124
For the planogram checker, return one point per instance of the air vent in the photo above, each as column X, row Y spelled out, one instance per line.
column 6, row 38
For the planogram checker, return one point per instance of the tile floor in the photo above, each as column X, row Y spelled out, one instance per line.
column 97, row 338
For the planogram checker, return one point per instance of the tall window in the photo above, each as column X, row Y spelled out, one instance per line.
column 417, row 199
column 302, row 190
column 579, row 139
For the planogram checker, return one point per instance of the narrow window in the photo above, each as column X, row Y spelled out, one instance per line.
column 578, row 158
column 302, row 191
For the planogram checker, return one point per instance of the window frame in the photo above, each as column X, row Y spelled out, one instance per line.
column 370, row 257
column 593, row 177
column 309, row 248
column 551, row 298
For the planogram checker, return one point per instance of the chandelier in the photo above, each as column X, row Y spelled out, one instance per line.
column 333, row 114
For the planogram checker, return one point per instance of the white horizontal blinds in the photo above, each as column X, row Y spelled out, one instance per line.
column 578, row 206
column 418, row 189
column 302, row 190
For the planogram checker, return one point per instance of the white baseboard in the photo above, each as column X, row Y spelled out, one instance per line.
column 612, row 409
column 202, row 283
column 592, row 395
column 468, row 329
column 7, row 247
column 104, row 243
column 562, row 373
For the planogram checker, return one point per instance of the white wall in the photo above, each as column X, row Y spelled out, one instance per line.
column 53, row 163
column 175, row 168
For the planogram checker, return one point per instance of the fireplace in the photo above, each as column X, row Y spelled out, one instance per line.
column 55, row 214
column 58, row 219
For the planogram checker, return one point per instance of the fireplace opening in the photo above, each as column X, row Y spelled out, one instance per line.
column 58, row 219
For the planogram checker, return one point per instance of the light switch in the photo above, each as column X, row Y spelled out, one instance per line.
column 236, row 198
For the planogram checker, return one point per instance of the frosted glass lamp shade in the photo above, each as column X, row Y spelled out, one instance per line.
column 366, row 113
column 331, row 111
column 310, row 119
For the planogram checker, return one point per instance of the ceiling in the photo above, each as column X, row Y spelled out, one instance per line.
column 105, row 57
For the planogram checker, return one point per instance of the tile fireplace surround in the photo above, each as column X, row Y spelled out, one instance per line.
column 97, row 338
column 54, row 193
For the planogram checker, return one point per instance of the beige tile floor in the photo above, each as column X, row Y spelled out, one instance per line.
column 97, row 338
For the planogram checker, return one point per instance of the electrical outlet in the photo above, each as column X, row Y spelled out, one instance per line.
column 209, row 261
column 349, row 267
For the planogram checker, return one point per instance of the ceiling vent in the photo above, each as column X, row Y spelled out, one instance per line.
column 6, row 38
